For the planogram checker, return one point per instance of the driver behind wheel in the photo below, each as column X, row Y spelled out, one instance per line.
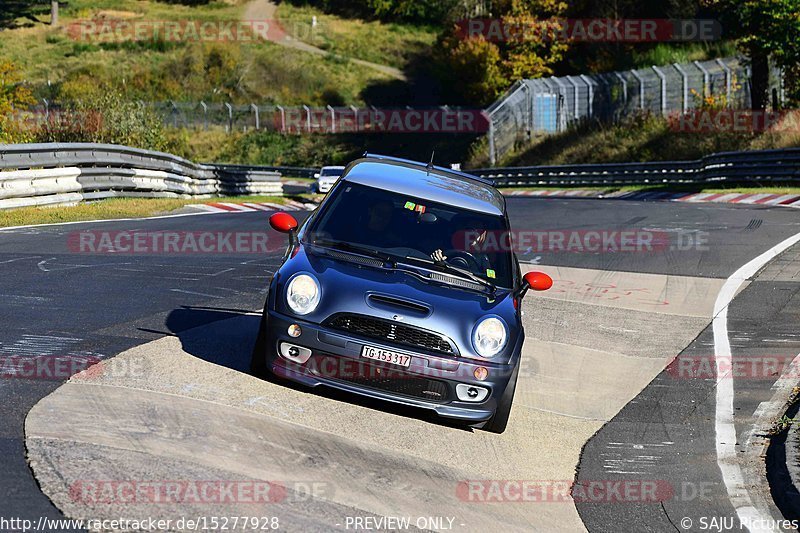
column 469, row 236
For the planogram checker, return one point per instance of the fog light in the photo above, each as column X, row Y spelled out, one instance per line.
column 298, row 354
column 294, row 330
column 481, row 373
column 471, row 393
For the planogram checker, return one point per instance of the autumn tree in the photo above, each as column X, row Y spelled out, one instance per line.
column 520, row 40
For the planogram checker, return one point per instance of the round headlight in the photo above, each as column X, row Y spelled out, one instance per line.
column 489, row 337
column 302, row 294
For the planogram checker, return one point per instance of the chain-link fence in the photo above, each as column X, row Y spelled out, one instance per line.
column 308, row 119
column 550, row 105
column 530, row 107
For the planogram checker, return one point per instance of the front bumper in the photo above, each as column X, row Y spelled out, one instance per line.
column 429, row 382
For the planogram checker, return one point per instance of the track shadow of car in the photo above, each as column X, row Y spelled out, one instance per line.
column 228, row 337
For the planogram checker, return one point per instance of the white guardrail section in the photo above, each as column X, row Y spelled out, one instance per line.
column 57, row 174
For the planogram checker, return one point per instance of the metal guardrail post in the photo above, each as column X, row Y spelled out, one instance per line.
column 174, row 114
column 641, row 88
column 727, row 70
column 685, row 85
column 333, row 119
column 357, row 125
column 230, row 117
column 308, row 118
column 624, row 82
column 590, row 95
column 283, row 118
column 254, row 107
column 782, row 86
column 205, row 114
column 528, row 109
column 490, row 135
column 663, row 89
column 576, row 101
column 706, row 78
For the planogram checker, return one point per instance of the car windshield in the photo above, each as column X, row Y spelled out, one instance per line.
column 416, row 230
column 331, row 172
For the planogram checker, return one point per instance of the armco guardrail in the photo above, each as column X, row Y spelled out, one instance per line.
column 286, row 172
column 52, row 174
column 754, row 167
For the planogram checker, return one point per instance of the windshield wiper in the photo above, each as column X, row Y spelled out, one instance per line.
column 447, row 267
column 355, row 248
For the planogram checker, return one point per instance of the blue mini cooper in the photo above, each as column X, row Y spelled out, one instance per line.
column 401, row 286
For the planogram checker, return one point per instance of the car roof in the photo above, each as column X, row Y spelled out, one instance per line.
column 417, row 180
column 333, row 167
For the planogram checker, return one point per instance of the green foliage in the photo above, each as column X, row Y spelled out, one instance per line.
column 13, row 99
column 160, row 69
column 430, row 11
column 609, row 56
column 213, row 68
column 391, row 43
column 414, row 10
column 533, row 55
column 639, row 138
column 477, row 70
column 770, row 27
column 764, row 29
column 471, row 68
column 104, row 116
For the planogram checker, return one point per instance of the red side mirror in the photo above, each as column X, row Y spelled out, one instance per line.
column 283, row 222
column 538, row 281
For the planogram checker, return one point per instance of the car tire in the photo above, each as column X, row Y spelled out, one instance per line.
column 258, row 361
column 498, row 423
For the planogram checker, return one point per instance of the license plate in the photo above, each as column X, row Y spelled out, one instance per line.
column 386, row 356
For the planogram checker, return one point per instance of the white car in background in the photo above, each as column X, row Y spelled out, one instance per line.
column 326, row 177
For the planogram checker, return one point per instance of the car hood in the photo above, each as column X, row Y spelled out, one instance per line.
column 348, row 287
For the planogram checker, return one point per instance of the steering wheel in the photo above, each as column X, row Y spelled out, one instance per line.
column 463, row 259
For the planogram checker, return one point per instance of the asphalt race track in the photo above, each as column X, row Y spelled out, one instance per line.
column 595, row 396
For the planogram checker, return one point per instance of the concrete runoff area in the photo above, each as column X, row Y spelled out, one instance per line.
column 182, row 408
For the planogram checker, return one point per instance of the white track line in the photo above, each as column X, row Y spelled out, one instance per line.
column 724, row 426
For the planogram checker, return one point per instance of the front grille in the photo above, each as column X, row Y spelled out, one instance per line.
column 391, row 332
column 383, row 379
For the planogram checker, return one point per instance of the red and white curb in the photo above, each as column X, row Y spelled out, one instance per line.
column 559, row 193
column 790, row 200
column 245, row 207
